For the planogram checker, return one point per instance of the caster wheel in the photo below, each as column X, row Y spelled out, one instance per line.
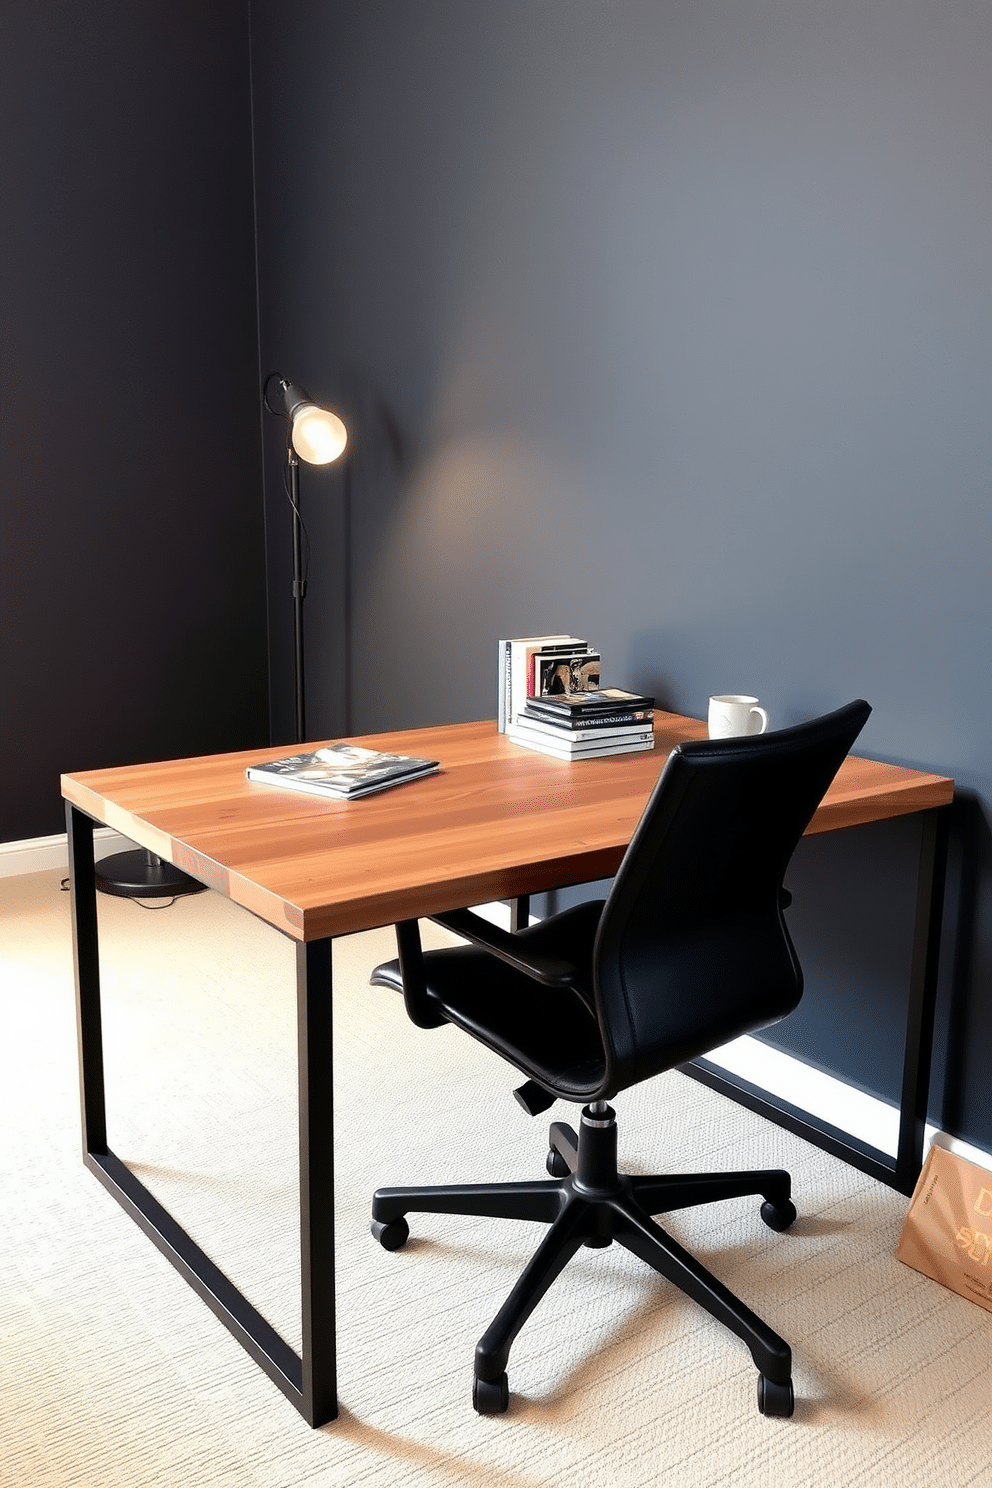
column 556, row 1164
column 391, row 1235
column 490, row 1397
column 775, row 1399
column 778, row 1216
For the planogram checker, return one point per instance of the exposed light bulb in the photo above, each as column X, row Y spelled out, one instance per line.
column 318, row 435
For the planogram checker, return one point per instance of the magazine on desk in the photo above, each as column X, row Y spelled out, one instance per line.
column 341, row 771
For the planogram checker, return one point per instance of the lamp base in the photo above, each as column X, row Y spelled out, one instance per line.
column 143, row 875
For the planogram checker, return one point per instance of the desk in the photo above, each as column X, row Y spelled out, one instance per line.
column 497, row 822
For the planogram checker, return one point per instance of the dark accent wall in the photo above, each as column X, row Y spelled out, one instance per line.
column 132, row 598
column 668, row 322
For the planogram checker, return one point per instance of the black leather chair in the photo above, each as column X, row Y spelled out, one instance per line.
column 689, row 950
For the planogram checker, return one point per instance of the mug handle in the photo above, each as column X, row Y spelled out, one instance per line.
column 762, row 715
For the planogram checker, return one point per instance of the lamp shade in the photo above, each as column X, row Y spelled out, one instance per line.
column 319, row 436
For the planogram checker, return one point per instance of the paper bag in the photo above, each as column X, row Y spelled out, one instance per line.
column 948, row 1230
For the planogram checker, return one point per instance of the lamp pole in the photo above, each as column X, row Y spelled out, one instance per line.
column 299, row 592
column 319, row 437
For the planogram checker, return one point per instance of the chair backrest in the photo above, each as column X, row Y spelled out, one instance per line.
column 692, row 948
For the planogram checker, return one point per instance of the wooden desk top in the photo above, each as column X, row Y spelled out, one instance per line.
column 497, row 821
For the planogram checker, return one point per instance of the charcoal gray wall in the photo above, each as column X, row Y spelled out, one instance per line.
column 667, row 322
column 132, row 601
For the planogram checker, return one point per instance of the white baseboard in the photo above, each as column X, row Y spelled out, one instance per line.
column 36, row 854
column 863, row 1116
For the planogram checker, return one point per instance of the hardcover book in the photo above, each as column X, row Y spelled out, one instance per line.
column 565, row 749
column 603, row 700
column 515, row 660
column 603, row 727
column 341, row 771
column 560, row 675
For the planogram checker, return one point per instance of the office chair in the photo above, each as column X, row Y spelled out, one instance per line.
column 689, row 950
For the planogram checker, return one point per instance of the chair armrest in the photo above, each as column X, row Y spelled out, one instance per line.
column 419, row 1008
column 550, row 971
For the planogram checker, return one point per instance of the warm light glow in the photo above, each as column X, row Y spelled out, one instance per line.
column 318, row 436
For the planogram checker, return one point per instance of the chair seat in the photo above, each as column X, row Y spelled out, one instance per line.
column 551, row 1034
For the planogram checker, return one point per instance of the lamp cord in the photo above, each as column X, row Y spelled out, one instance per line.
column 64, row 887
column 272, row 377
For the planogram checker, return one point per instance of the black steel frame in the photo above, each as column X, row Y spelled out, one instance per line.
column 901, row 1172
column 310, row 1380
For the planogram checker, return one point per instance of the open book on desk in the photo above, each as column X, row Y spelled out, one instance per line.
column 341, row 771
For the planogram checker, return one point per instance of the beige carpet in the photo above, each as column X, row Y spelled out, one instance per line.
column 113, row 1373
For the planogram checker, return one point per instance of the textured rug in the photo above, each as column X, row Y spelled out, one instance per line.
column 113, row 1373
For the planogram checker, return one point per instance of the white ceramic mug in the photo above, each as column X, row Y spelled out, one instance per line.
column 733, row 714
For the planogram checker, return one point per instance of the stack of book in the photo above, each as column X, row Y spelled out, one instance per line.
column 583, row 725
column 550, row 699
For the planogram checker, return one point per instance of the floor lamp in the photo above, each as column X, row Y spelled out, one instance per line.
column 315, row 435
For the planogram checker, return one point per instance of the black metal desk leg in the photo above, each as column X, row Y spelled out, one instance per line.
column 520, row 912
column 313, row 994
column 922, row 997
column 86, row 959
column 310, row 1383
